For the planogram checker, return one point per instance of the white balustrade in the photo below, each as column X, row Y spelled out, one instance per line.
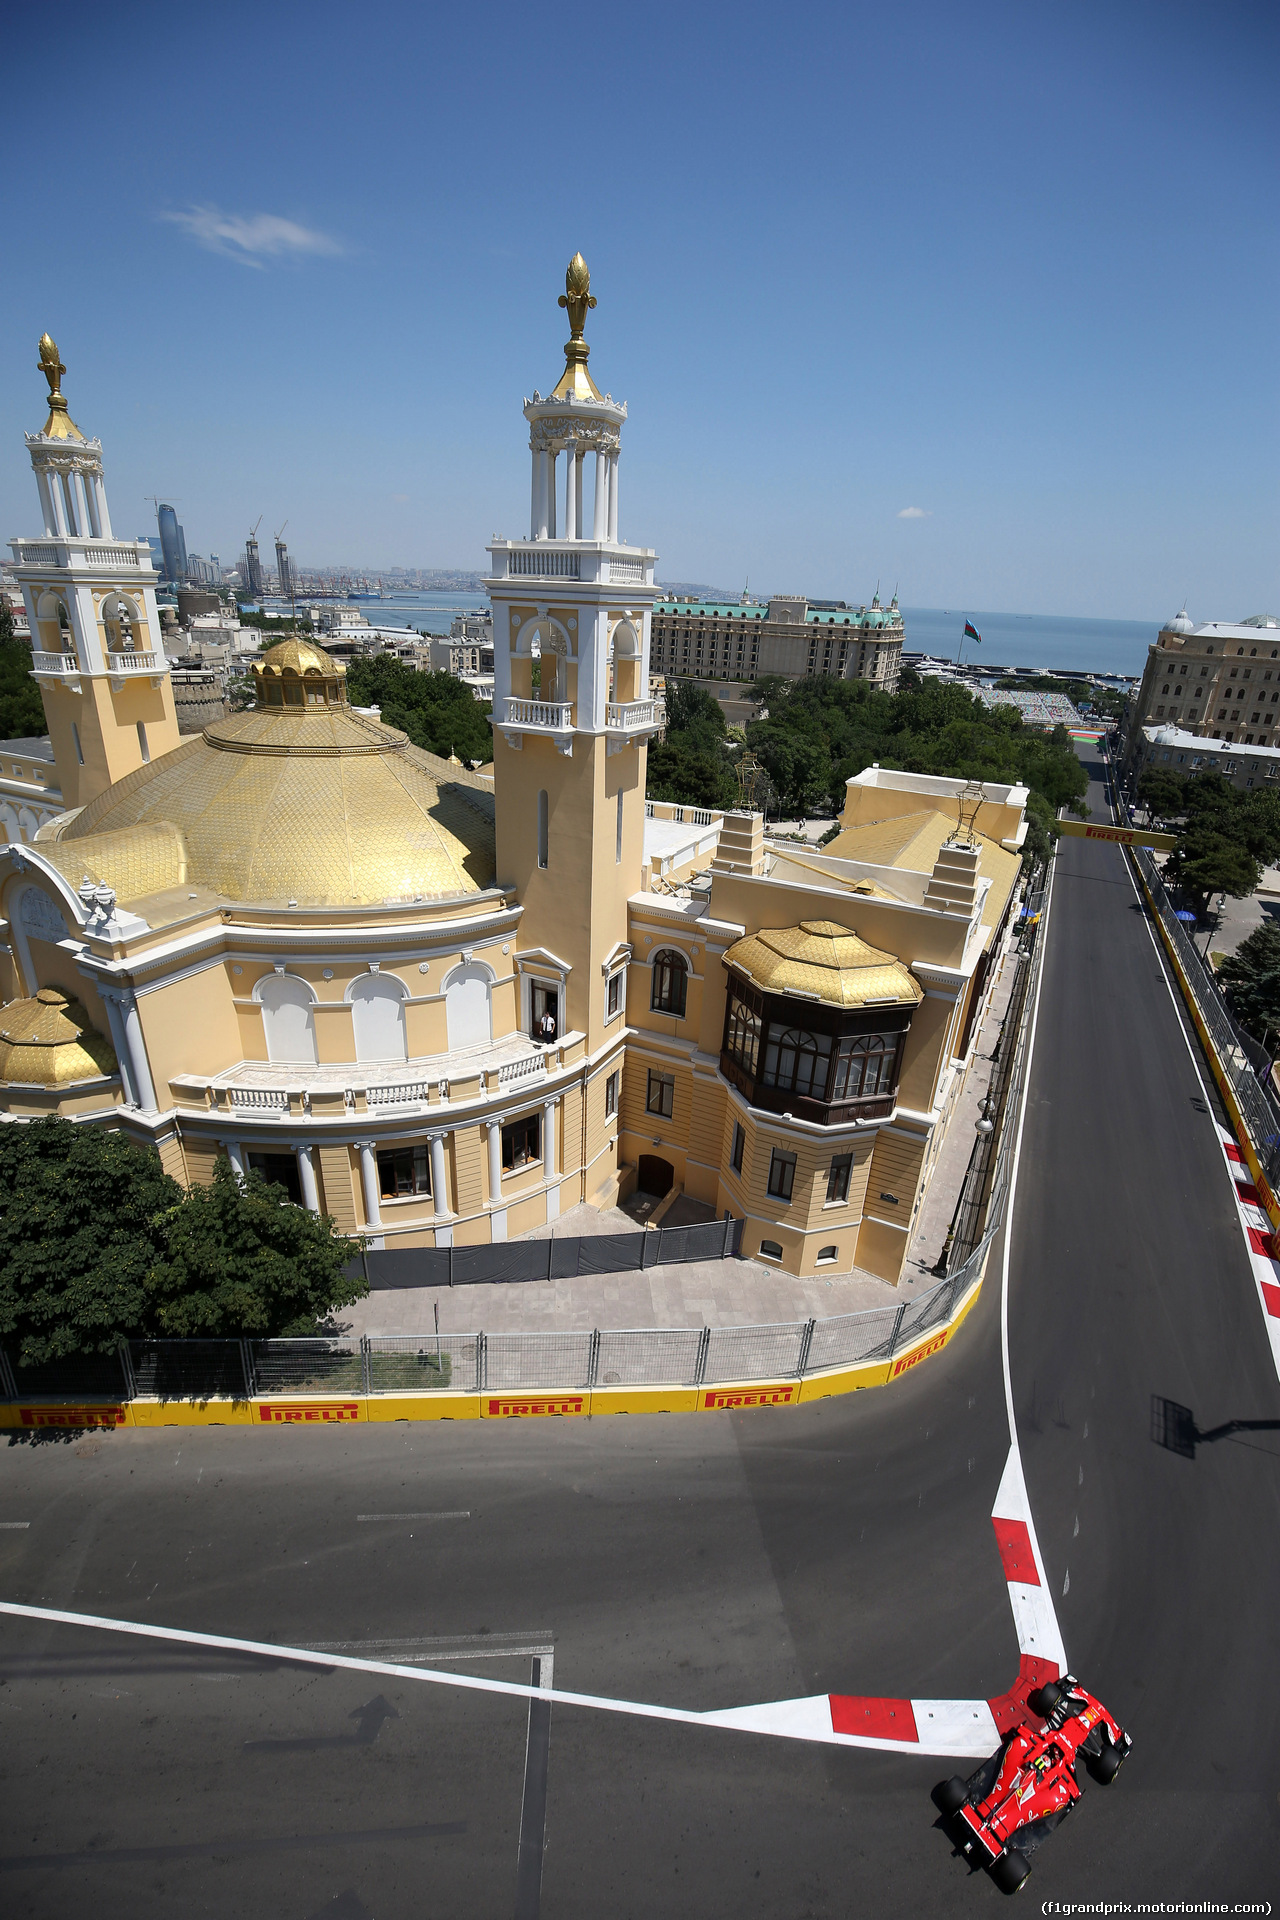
column 540, row 559
column 136, row 662
column 54, row 663
column 555, row 716
column 405, row 1093
column 632, row 714
column 632, row 570
column 40, row 556
column 258, row 1099
column 530, row 1066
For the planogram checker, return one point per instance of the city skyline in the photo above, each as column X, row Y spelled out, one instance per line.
column 953, row 308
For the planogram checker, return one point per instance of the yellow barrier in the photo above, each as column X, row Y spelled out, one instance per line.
column 1221, row 1081
column 339, row 1410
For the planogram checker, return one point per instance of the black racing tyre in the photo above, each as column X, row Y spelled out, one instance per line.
column 1011, row 1870
column 1106, row 1764
column 1046, row 1698
column 952, row 1794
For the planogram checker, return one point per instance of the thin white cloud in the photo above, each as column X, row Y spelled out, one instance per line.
column 913, row 513
column 251, row 238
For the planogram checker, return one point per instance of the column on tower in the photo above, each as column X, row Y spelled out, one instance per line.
column 46, row 500
column 600, row 515
column 549, row 493
column 579, row 458
column 571, row 489
column 613, row 496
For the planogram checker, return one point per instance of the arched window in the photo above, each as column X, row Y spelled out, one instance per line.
column 377, row 1015
column 467, row 1007
column 742, row 1039
column 797, row 1062
column 864, row 1066
column 287, row 1019
column 670, row 982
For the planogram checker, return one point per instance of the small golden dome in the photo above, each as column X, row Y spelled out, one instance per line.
column 824, row 961
column 297, row 656
column 48, row 1042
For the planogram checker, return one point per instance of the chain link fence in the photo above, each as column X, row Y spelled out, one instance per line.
column 579, row 1360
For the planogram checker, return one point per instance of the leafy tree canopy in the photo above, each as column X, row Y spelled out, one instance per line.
column 97, row 1241
column 436, row 710
column 1206, row 862
column 21, row 708
column 1252, row 977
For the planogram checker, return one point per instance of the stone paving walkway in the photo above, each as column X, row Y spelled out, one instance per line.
column 699, row 1293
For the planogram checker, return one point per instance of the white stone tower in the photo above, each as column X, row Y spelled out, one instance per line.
column 574, row 602
column 95, row 635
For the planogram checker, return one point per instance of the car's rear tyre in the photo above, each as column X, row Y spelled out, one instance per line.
column 1011, row 1870
column 952, row 1794
column 1045, row 1698
column 1106, row 1764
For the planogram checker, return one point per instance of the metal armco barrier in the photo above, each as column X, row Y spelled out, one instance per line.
column 336, row 1379
column 504, row 1261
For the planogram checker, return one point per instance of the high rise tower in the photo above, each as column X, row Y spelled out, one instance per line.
column 95, row 635
column 253, row 565
column 284, row 572
column 172, row 545
column 572, row 713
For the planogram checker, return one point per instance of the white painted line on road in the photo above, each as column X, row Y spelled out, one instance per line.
column 786, row 1719
column 413, row 1516
column 532, row 1637
column 13, row 1526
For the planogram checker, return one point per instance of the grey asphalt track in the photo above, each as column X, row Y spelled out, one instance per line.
column 700, row 1562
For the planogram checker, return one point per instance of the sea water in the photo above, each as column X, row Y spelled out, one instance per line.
column 1031, row 640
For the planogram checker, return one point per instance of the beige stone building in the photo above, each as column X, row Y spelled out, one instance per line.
column 444, row 1007
column 1217, row 681
column 723, row 641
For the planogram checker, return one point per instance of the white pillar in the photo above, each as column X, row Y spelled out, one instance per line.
column 535, row 489
column 46, row 501
column 119, row 1040
column 549, row 498
column 600, row 517
column 59, row 504
column 570, row 490
column 494, row 1129
column 138, row 1053
column 549, row 1139
column 439, row 1182
column 90, row 485
column 613, row 497
column 369, row 1181
column 579, row 458
column 307, row 1175
column 104, row 517
column 540, row 462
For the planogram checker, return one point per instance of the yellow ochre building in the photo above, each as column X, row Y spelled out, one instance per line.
column 442, row 1007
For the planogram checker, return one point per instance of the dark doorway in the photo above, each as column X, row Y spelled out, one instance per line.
column 282, row 1168
column 544, row 1000
column 655, row 1175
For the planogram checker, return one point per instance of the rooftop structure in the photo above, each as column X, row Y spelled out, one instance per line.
column 721, row 640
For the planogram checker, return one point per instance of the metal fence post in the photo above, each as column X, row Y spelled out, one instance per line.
column 893, row 1337
column 593, row 1357
column 364, row 1364
column 654, row 1238
column 700, row 1364
column 246, row 1365
column 8, row 1385
column 482, row 1362
column 126, row 1368
column 727, row 1248
column 551, row 1248
column 450, row 1263
column 806, row 1341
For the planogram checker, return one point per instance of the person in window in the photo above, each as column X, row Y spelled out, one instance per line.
column 546, row 1026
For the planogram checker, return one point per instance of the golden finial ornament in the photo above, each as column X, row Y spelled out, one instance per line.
column 59, row 425
column 577, row 299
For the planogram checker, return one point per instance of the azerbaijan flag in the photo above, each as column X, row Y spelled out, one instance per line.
column 971, row 632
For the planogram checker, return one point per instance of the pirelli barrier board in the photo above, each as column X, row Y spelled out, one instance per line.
column 323, row 1410
column 1121, row 836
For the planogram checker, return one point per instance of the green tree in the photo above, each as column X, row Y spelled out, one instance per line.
column 98, row 1242
column 240, row 1260
column 1252, row 974
column 436, row 710
column 1206, row 862
column 1162, row 792
column 21, row 708
column 690, row 775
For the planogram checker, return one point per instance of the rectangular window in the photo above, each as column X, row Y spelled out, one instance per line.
column 660, row 1097
column 838, row 1179
column 782, row 1173
column 739, row 1143
column 613, row 996
column 403, row 1170
column 521, row 1142
column 542, row 828
column 611, row 1096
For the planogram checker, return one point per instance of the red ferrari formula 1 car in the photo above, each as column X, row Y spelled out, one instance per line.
column 1004, row 1810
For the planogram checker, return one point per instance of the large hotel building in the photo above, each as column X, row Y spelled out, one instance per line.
column 718, row 641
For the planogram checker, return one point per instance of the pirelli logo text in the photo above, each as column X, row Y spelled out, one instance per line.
column 301, row 1413
column 719, row 1397
column 514, row 1407
column 921, row 1353
column 73, row 1416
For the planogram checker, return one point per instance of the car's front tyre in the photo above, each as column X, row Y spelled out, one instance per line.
column 1011, row 1870
column 1106, row 1763
column 951, row 1795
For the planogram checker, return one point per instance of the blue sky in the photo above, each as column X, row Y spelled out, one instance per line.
column 1010, row 267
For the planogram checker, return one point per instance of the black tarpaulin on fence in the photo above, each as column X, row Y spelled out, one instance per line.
column 503, row 1261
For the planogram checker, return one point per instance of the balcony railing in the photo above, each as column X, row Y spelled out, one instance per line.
column 404, row 1093
column 550, row 716
column 54, row 663
column 627, row 570
column 544, row 561
column 532, row 1066
column 633, row 715
column 136, row 662
column 258, row 1100
column 76, row 551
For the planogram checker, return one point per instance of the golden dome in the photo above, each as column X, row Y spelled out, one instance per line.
column 48, row 1042
column 297, row 656
column 824, row 961
column 300, row 804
